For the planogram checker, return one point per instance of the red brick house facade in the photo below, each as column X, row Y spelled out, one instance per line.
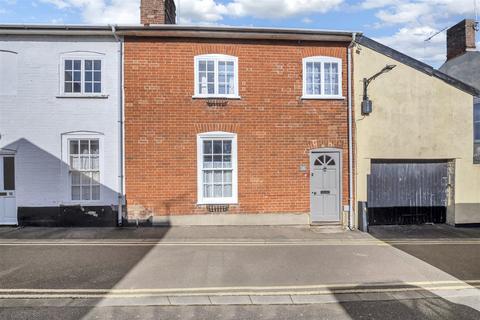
column 268, row 98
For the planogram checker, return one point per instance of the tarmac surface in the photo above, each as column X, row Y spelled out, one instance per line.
column 424, row 272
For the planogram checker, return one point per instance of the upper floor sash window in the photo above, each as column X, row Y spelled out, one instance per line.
column 216, row 76
column 322, row 78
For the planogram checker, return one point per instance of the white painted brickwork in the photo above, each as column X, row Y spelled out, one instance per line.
column 33, row 120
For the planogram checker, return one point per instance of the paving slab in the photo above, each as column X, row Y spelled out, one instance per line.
column 308, row 299
column 230, row 300
column 280, row 299
column 189, row 300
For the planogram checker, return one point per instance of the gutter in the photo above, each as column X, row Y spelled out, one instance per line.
column 121, row 146
column 351, row 210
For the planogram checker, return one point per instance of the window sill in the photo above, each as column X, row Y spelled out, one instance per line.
column 322, row 98
column 230, row 97
column 83, row 96
column 217, row 202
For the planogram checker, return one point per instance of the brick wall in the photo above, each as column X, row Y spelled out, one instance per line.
column 157, row 12
column 460, row 38
column 275, row 128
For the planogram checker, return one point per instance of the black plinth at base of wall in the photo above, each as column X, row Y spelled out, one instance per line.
column 406, row 215
column 67, row 216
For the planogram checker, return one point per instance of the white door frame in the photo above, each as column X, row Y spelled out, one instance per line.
column 7, row 195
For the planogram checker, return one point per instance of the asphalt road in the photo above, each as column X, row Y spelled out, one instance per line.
column 56, row 270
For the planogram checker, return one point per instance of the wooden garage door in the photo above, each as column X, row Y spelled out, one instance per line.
column 407, row 192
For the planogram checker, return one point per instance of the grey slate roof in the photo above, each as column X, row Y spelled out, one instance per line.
column 416, row 64
column 465, row 68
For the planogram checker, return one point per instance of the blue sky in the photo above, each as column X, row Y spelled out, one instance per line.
column 401, row 24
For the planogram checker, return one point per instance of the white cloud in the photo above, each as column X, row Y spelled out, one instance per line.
column 196, row 11
column 411, row 41
column 417, row 20
column 274, row 9
column 102, row 11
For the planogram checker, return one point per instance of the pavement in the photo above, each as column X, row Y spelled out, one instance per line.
column 240, row 271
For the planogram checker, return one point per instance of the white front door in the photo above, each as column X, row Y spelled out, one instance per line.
column 8, row 202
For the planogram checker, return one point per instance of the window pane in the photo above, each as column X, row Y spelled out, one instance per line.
column 227, row 147
column 68, row 76
column 217, row 177
column 75, row 163
column 73, row 146
column 88, row 76
column 85, row 179
column 211, row 88
column 207, row 147
column 202, row 65
column 477, row 112
column 75, row 193
column 211, row 66
column 68, row 64
column 95, row 177
column 208, row 191
column 309, row 67
column 95, row 163
column 88, row 87
column 317, row 89
column 207, row 176
column 77, row 87
column 86, row 193
column 217, row 191
column 227, row 161
column 222, row 89
column 88, row 65
column 217, row 161
column 76, row 178
column 84, row 147
column 207, row 161
column 68, row 87
column 76, row 76
column 477, row 131
column 94, row 147
column 97, row 87
column 227, row 177
column 96, row 193
column 217, row 147
column 97, row 76
column 97, row 64
column 77, row 64
column 211, row 77
column 230, row 68
column 227, row 190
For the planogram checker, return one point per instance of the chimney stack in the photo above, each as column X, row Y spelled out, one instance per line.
column 157, row 12
column 461, row 38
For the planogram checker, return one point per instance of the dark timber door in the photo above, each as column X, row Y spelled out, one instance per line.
column 407, row 192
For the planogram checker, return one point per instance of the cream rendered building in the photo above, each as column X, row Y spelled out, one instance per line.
column 422, row 119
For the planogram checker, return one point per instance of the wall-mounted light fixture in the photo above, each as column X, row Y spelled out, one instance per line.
column 367, row 104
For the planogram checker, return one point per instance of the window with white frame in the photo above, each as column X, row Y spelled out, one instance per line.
column 476, row 133
column 216, row 76
column 217, row 168
column 322, row 77
column 84, row 161
column 82, row 76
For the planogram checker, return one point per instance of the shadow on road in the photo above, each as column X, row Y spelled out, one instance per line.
column 440, row 246
column 414, row 303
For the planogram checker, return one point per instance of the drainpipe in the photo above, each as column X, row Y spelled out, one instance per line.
column 351, row 211
column 120, row 127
